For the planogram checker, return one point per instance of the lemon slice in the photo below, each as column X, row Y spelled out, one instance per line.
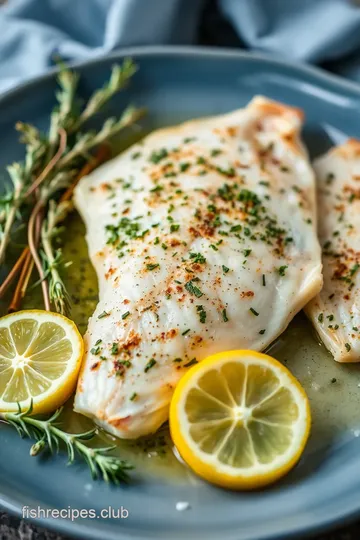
column 40, row 357
column 239, row 419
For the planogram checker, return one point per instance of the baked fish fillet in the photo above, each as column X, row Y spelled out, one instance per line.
column 335, row 312
column 203, row 239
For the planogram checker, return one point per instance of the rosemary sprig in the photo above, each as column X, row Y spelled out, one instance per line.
column 51, row 165
column 53, row 259
column 120, row 76
column 21, row 178
column 89, row 140
column 10, row 204
column 49, row 436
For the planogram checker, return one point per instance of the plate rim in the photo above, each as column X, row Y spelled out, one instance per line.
column 78, row 530
column 187, row 50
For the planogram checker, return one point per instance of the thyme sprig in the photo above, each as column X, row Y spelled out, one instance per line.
column 49, row 436
column 51, row 165
column 52, row 258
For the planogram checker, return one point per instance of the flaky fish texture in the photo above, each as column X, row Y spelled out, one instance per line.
column 203, row 239
column 335, row 312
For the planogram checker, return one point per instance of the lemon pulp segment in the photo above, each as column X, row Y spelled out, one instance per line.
column 40, row 356
column 240, row 419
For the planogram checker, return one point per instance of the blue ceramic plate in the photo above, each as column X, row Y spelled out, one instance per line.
column 324, row 490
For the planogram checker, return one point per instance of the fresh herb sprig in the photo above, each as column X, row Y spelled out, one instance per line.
column 49, row 436
column 51, row 166
column 53, row 261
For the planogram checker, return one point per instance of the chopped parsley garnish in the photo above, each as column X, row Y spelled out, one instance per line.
column 225, row 269
column 185, row 332
column 197, row 258
column 354, row 269
column 230, row 172
column 184, row 167
column 330, row 317
column 156, row 189
column 115, row 348
column 152, row 266
column 192, row 362
column 213, row 247
column 321, row 317
column 174, row 227
column 151, row 363
column 215, row 152
column 248, row 196
column 262, row 332
column 136, row 155
column 133, row 396
column 192, row 289
column 264, row 280
column 224, row 315
column 103, row 314
column 156, row 157
column 254, row 312
column 347, row 347
column 156, row 241
column 226, row 192
column 125, row 315
column 247, row 252
column 95, row 350
column 126, row 226
column 202, row 313
column 281, row 270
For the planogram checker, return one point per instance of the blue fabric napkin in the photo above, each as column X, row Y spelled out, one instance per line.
column 317, row 31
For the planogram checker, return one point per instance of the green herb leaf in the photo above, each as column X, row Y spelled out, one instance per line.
column 282, row 270
column 152, row 266
column 202, row 313
column 151, row 363
column 193, row 289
